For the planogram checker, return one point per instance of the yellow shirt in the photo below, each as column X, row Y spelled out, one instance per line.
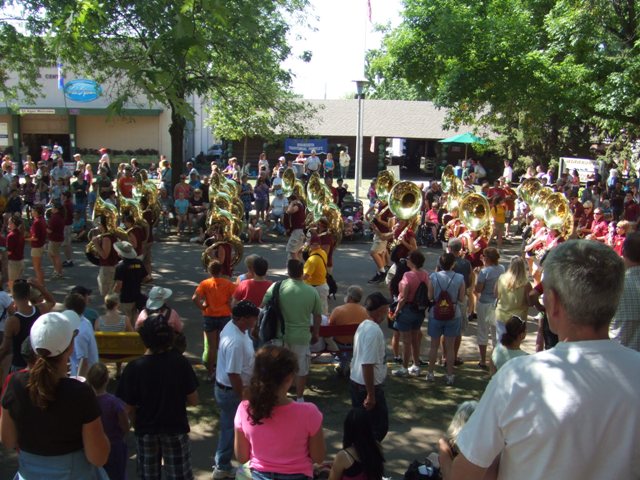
column 499, row 214
column 315, row 271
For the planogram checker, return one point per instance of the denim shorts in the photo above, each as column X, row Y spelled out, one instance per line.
column 209, row 324
column 408, row 319
column 440, row 328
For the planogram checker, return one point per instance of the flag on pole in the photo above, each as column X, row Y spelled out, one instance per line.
column 369, row 9
column 60, row 77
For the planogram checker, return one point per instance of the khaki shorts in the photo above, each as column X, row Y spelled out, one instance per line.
column 303, row 354
column 378, row 245
column 296, row 241
column 106, row 279
column 54, row 248
column 15, row 269
column 68, row 231
column 37, row 251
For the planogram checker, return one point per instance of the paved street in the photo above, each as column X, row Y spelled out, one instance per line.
column 413, row 430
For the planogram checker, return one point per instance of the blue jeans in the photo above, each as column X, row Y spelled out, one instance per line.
column 58, row 467
column 228, row 402
column 379, row 416
column 256, row 475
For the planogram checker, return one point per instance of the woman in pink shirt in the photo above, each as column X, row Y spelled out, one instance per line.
column 279, row 436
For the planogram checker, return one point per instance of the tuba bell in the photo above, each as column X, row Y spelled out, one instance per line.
column 447, row 177
column 288, row 182
column 405, row 200
column 474, row 211
column 556, row 210
column 384, row 183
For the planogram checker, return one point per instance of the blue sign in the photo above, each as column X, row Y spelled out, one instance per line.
column 82, row 90
column 296, row 145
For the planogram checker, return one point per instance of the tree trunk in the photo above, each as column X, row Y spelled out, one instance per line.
column 244, row 151
column 176, row 132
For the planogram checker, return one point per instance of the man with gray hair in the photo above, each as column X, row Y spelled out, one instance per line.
column 567, row 412
column 351, row 313
column 625, row 326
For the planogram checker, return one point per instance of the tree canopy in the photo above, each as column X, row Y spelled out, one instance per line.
column 545, row 75
column 170, row 49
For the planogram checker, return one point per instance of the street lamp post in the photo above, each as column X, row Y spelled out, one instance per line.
column 359, row 147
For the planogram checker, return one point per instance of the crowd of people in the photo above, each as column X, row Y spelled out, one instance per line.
column 579, row 384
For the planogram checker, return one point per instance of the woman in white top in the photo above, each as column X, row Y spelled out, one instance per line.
column 345, row 160
column 113, row 321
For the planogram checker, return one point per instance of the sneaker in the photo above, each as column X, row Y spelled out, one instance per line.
column 450, row 379
column 377, row 278
column 414, row 370
column 56, row 276
column 400, row 372
column 473, row 317
column 65, row 263
column 219, row 474
column 397, row 360
column 423, row 363
column 430, row 377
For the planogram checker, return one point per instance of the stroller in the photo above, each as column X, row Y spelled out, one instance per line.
column 352, row 213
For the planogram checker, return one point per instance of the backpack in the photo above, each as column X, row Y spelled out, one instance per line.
column 331, row 282
column 421, row 297
column 270, row 318
column 444, row 308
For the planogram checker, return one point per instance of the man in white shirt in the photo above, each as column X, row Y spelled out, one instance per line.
column 276, row 213
column 571, row 411
column 60, row 171
column 369, row 366
column 85, row 348
column 233, row 372
column 313, row 163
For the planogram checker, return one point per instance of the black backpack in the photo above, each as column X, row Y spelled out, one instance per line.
column 270, row 318
column 421, row 297
column 331, row 282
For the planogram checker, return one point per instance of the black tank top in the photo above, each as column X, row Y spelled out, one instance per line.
column 26, row 321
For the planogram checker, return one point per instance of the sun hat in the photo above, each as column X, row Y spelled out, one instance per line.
column 157, row 296
column 51, row 334
column 125, row 250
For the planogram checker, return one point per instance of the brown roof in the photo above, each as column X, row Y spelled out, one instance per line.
column 382, row 118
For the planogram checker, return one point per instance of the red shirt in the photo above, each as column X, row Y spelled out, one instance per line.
column 384, row 217
column 295, row 221
column 618, row 240
column 139, row 233
column 38, row 232
column 631, row 211
column 125, row 185
column 15, row 245
column 599, row 228
column 68, row 213
column 56, row 227
column 252, row 290
column 113, row 258
column 148, row 217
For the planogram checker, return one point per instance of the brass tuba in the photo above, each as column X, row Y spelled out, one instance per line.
column 384, row 183
column 556, row 211
column 474, row 211
column 405, row 202
column 230, row 227
column 447, row 177
column 110, row 213
column 288, row 182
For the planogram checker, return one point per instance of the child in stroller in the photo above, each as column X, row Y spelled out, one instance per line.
column 352, row 213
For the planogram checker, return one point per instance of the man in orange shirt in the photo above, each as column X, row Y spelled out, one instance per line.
column 126, row 182
column 351, row 313
column 213, row 296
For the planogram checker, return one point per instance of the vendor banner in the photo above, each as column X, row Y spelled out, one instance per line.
column 296, row 145
column 584, row 166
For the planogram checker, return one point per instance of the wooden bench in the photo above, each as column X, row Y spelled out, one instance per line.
column 119, row 346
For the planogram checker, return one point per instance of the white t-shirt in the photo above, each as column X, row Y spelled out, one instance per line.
column 567, row 413
column 278, row 205
column 235, row 355
column 507, row 173
column 502, row 355
column 5, row 303
column 84, row 346
column 313, row 164
column 369, row 348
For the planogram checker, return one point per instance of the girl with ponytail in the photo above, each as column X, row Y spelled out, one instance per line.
column 510, row 341
column 54, row 420
column 277, row 435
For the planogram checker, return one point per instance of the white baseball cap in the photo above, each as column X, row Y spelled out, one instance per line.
column 51, row 334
